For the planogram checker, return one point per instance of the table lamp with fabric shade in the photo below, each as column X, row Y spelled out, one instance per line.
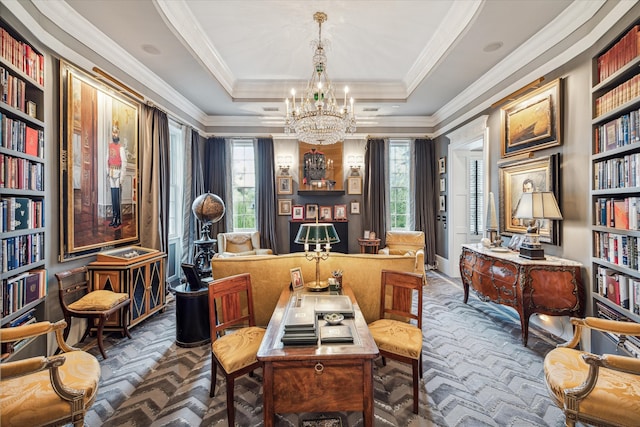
column 534, row 206
column 322, row 235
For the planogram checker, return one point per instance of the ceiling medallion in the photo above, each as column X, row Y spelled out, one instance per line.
column 317, row 118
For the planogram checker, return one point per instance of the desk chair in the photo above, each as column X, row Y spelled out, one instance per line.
column 49, row 391
column 398, row 332
column 77, row 300
column 235, row 339
column 589, row 388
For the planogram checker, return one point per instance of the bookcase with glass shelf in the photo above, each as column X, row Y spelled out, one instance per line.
column 615, row 193
column 23, row 276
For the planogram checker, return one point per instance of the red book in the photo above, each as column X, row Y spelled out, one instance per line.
column 613, row 288
column 31, row 141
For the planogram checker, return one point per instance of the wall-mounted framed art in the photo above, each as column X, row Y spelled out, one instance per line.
column 297, row 213
column 442, row 203
column 284, row 206
column 442, row 165
column 285, row 184
column 541, row 174
column 443, row 184
column 355, row 208
column 534, row 121
column 354, row 185
column 340, row 212
column 310, row 211
column 98, row 165
column 326, row 213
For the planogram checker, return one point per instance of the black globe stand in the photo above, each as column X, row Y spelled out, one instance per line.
column 206, row 251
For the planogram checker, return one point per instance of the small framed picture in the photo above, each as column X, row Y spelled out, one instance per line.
column 367, row 233
column 284, row 207
column 285, row 185
column 355, row 208
column 340, row 212
column 443, row 184
column 311, row 211
column 297, row 213
column 443, row 203
column 31, row 109
column 326, row 213
column 442, row 165
column 354, row 185
column 297, row 282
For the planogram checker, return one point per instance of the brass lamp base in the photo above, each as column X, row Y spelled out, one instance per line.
column 531, row 253
column 317, row 286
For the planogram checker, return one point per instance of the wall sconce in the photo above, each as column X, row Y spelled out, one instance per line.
column 284, row 163
column 355, row 164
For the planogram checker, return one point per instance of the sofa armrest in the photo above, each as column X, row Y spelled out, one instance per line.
column 264, row 252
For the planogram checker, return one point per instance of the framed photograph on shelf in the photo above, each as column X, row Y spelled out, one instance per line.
column 311, row 211
column 442, row 165
column 285, row 185
column 354, row 185
column 326, row 213
column 340, row 212
column 534, row 121
column 284, row 207
column 355, row 208
column 297, row 281
column 515, row 178
column 297, row 213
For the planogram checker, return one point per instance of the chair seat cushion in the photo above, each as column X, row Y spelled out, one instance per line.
column 238, row 349
column 397, row 337
column 98, row 300
column 615, row 397
column 30, row 400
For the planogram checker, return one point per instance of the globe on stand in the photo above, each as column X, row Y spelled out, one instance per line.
column 209, row 209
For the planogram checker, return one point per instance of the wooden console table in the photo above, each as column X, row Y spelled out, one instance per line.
column 552, row 286
column 374, row 244
column 317, row 378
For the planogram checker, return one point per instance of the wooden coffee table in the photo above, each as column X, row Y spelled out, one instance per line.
column 319, row 378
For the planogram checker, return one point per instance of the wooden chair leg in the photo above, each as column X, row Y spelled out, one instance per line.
column 420, row 365
column 125, row 317
column 231, row 410
column 416, row 387
column 100, row 343
column 214, row 374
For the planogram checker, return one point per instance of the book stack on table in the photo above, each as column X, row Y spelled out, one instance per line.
column 300, row 326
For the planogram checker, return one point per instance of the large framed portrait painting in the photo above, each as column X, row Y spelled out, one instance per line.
column 98, row 165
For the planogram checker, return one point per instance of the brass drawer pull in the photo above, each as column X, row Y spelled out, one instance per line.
column 319, row 368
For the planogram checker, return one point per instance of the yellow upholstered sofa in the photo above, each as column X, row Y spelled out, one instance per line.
column 271, row 274
column 406, row 243
column 240, row 244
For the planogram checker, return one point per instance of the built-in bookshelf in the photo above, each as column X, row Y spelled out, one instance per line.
column 22, row 187
column 615, row 193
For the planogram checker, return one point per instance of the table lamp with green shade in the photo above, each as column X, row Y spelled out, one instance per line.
column 322, row 235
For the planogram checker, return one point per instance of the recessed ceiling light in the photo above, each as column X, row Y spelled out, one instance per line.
column 151, row 49
column 395, row 106
column 492, row 47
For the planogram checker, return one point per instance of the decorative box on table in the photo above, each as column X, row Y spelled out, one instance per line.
column 134, row 270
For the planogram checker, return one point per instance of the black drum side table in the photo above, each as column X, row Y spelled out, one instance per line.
column 192, row 316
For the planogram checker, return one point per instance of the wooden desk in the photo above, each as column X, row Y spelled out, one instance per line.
column 552, row 286
column 374, row 244
column 320, row 378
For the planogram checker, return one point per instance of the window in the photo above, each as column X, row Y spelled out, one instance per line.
column 176, row 141
column 243, row 184
column 476, row 196
column 399, row 184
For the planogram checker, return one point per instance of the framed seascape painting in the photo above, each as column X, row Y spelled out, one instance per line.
column 515, row 178
column 533, row 122
column 98, row 165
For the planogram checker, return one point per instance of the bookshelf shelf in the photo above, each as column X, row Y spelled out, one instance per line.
column 23, row 276
column 615, row 185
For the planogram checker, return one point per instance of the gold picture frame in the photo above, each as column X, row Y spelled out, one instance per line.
column 285, row 185
column 354, row 185
column 284, row 206
column 534, row 121
column 99, row 169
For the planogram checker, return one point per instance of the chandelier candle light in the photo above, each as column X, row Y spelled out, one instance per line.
column 318, row 118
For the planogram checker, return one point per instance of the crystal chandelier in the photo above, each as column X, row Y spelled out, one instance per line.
column 317, row 118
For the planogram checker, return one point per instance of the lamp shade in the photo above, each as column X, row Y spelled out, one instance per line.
column 538, row 205
column 317, row 233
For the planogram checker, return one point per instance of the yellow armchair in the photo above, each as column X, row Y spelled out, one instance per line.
column 601, row 390
column 47, row 391
column 240, row 244
column 406, row 243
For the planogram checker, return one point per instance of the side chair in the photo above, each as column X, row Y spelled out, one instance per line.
column 47, row 391
column 77, row 300
column 398, row 332
column 602, row 390
column 235, row 338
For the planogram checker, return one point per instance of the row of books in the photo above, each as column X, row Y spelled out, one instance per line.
column 618, row 213
column 618, row 249
column 13, row 90
column 620, row 172
column 21, row 250
column 23, row 289
column 22, row 56
column 619, row 288
column 19, row 173
column 620, row 132
column 11, row 347
column 16, row 135
column 621, row 53
column 21, row 213
column 629, row 342
column 619, row 95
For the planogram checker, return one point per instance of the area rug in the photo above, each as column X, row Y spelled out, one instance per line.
column 476, row 373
